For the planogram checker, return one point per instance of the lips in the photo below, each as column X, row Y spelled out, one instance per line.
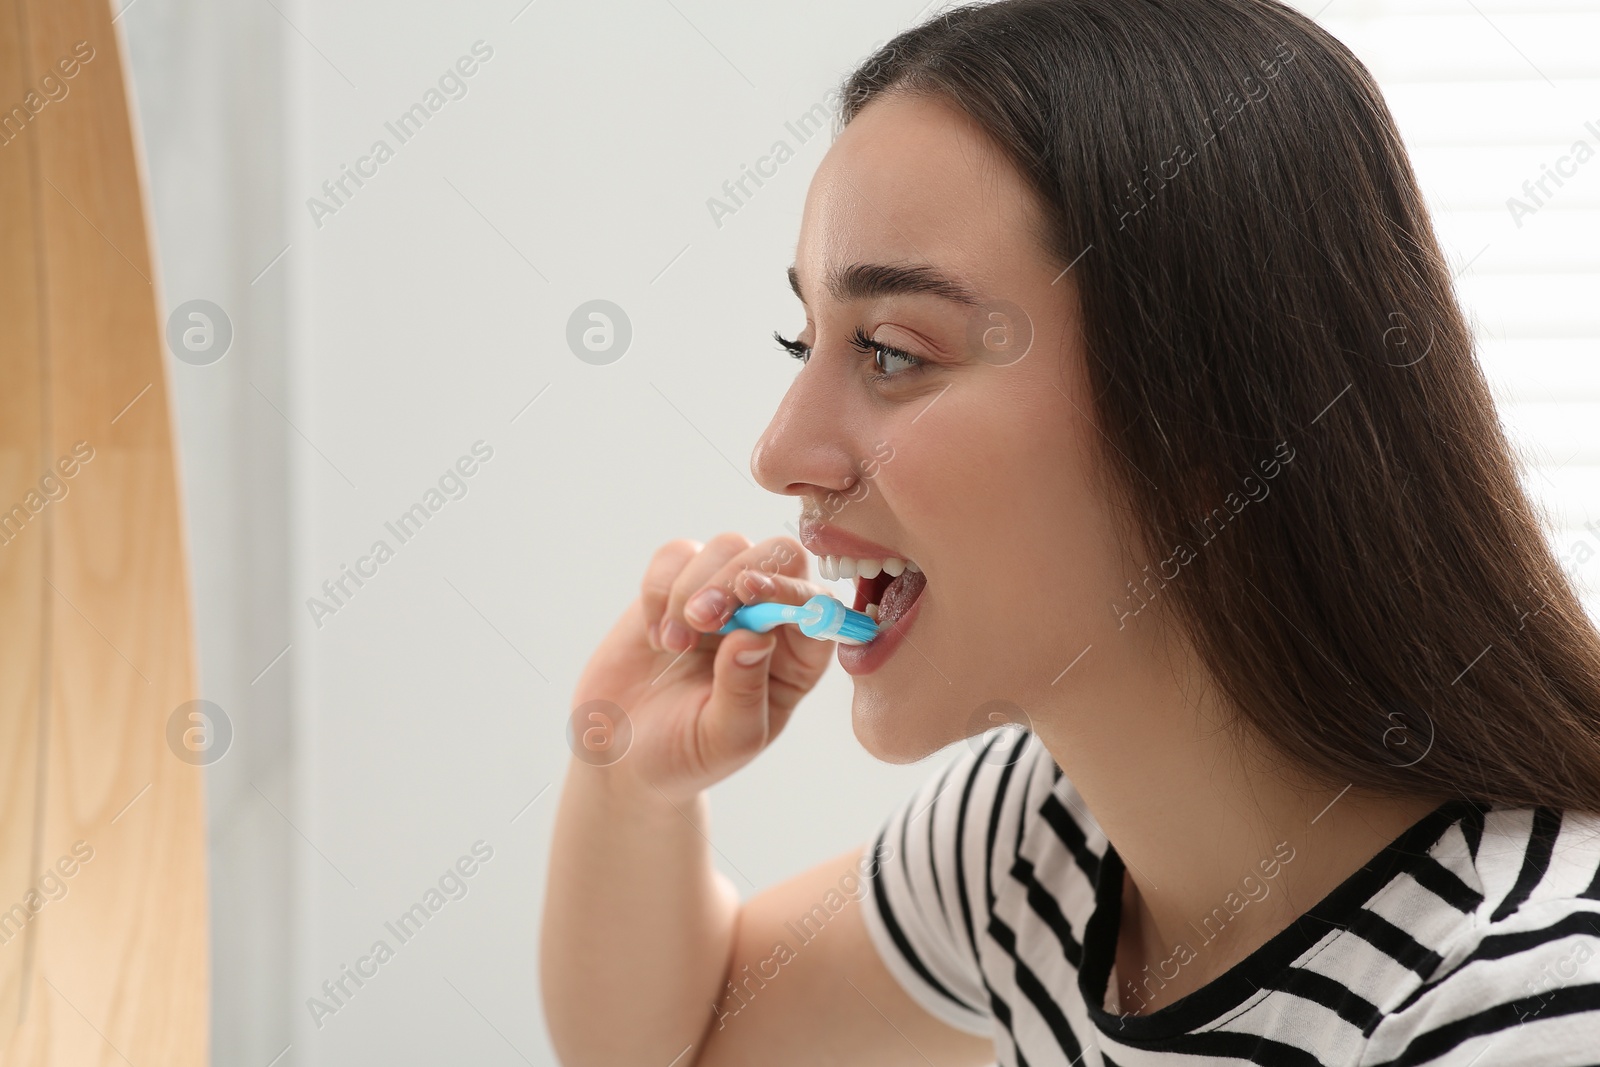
column 821, row 539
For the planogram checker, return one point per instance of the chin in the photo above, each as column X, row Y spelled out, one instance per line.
column 895, row 729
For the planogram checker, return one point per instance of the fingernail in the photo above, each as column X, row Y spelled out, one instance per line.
column 758, row 584
column 750, row 657
column 676, row 636
column 706, row 605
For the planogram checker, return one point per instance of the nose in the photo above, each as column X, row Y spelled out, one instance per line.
column 807, row 448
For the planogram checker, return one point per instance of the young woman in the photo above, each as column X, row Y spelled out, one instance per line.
column 1130, row 352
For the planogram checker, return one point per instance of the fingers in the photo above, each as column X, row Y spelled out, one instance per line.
column 735, row 725
column 690, row 589
column 671, row 632
column 763, row 572
column 756, row 587
column 659, row 574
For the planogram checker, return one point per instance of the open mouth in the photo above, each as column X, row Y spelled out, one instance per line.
column 891, row 596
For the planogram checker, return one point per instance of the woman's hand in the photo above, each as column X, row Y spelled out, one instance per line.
column 697, row 714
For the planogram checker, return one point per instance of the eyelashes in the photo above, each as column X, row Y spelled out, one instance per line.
column 796, row 349
column 877, row 350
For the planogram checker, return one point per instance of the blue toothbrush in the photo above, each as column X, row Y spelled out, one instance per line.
column 822, row 617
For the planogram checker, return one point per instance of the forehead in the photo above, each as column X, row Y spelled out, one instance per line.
column 912, row 179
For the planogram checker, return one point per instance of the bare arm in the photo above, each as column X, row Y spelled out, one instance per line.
column 646, row 953
column 637, row 924
column 829, row 1000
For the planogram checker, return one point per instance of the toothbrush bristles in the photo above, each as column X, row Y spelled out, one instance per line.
column 859, row 628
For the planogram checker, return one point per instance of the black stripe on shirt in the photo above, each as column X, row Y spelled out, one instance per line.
column 898, row 936
column 1331, row 994
column 1446, row 885
column 1396, row 943
column 1002, row 1013
column 1023, row 812
column 1071, row 835
column 992, row 832
column 960, row 843
column 1499, row 946
column 933, row 855
column 1046, row 907
column 1250, row 1048
column 1541, row 842
column 1039, row 995
column 1472, row 828
column 1593, row 892
column 996, row 809
column 1432, row 1044
column 938, row 922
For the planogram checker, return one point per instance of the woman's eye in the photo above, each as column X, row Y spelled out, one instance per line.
column 890, row 361
column 885, row 355
column 795, row 348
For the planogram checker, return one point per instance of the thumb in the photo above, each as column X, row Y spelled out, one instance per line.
column 736, row 725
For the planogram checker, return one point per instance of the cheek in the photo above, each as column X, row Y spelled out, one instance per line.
column 1002, row 474
column 1001, row 501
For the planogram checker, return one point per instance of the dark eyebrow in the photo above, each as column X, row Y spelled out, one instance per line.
column 861, row 280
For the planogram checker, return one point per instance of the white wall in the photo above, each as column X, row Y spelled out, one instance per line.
column 209, row 84
column 426, row 712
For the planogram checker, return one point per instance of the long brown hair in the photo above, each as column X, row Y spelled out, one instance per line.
column 1258, row 278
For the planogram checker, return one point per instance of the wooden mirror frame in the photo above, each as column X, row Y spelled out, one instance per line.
column 103, row 911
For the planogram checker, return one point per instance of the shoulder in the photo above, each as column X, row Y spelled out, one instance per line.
column 952, row 859
column 1521, row 975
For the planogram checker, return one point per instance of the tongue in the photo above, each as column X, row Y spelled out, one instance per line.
column 898, row 597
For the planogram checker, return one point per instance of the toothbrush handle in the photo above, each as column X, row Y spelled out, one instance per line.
column 823, row 617
column 764, row 616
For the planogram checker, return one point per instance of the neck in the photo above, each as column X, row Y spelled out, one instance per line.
column 1223, row 843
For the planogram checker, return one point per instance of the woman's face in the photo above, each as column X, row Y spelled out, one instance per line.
column 975, row 464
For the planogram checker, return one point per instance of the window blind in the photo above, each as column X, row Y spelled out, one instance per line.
column 1499, row 105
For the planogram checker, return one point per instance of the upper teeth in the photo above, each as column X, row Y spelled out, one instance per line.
column 836, row 567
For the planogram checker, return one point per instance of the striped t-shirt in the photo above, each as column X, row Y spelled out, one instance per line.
column 1468, row 940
